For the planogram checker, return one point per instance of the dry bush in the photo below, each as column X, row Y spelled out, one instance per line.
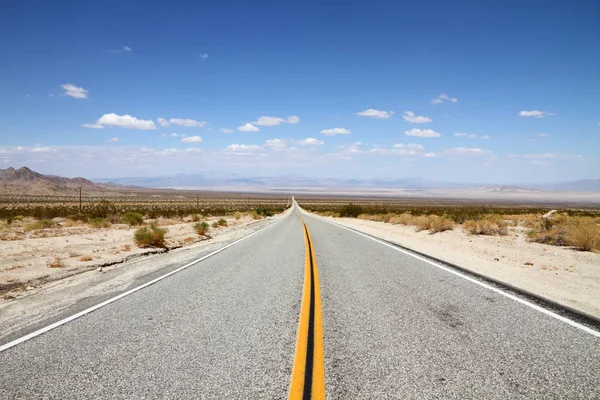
column 56, row 263
column 237, row 215
column 422, row 223
column 41, row 224
column 402, row 219
column 492, row 224
column 132, row 218
column 371, row 217
column 152, row 236
column 256, row 215
column 85, row 258
column 215, row 224
column 99, row 223
column 126, row 247
column 583, row 233
column 196, row 217
column 440, row 224
column 201, row 228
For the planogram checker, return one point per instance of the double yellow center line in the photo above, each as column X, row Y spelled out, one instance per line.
column 308, row 373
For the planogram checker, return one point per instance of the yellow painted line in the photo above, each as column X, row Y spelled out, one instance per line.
column 308, row 373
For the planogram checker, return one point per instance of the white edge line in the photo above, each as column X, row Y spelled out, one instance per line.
column 127, row 293
column 485, row 285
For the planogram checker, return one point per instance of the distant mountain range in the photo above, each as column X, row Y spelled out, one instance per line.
column 27, row 182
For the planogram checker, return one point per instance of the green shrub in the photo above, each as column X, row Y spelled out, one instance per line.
column 351, row 210
column 98, row 223
column 132, row 218
column 196, row 217
column 41, row 224
column 215, row 224
column 222, row 222
column 152, row 236
column 201, row 228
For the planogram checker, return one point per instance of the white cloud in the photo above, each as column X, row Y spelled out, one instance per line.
column 243, row 147
column 192, row 139
column 225, row 130
column 74, row 91
column 293, row 119
column 181, row 135
column 542, row 135
column 113, row 140
column 444, row 97
column 127, row 48
column 335, row 131
column 190, row 123
column 275, row 143
column 471, row 135
column 309, row 142
column 203, row 56
column 375, row 113
column 93, row 126
column 126, row 121
column 535, row 114
column 465, row 151
column 163, row 122
column 538, row 156
column 248, row 128
column 411, row 149
column 269, row 121
column 414, row 119
column 124, row 49
column 430, row 133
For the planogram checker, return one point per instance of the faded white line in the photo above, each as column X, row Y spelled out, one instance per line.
column 113, row 299
column 485, row 285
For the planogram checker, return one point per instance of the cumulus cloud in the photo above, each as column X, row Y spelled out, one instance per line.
column 192, row 139
column 411, row 149
column 269, row 121
column 471, row 135
column 375, row 113
column 125, row 121
column 243, row 147
column 428, row 133
column 275, row 143
column 74, row 91
column 225, row 130
column 444, row 97
column 163, row 122
column 93, row 126
column 465, row 151
column 414, row 119
column 248, row 128
column 113, row 140
column 293, row 119
column 309, row 142
column 535, row 114
column 335, row 131
column 190, row 123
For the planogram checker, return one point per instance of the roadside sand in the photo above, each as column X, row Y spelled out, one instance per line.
column 70, row 288
column 562, row 274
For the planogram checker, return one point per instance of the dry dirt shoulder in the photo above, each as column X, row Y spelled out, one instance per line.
column 561, row 274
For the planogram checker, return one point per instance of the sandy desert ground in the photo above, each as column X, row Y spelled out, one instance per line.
column 562, row 274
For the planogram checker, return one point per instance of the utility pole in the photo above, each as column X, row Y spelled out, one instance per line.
column 79, row 199
column 197, row 202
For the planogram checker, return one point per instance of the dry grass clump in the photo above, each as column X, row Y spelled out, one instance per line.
column 85, row 258
column 256, row 216
column 151, row 236
column 431, row 223
column 56, row 263
column 99, row 223
column 493, row 224
column 201, row 228
column 196, row 217
column 402, row 219
column 237, row 215
column 583, row 233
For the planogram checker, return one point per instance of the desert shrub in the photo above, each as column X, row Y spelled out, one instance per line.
column 85, row 258
column 222, row 222
column 132, row 218
column 402, row 219
column 371, row 217
column 215, row 224
column 55, row 263
column 237, row 215
column 41, row 224
column 256, row 215
column 196, row 218
column 440, row 224
column 492, row 224
column 264, row 211
column 351, row 210
column 98, row 223
column 583, row 234
column 422, row 223
column 151, row 236
column 201, row 228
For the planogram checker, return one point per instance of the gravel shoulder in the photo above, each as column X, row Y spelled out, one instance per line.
column 567, row 276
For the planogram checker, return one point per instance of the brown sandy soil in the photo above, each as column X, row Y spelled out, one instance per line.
column 32, row 258
column 562, row 274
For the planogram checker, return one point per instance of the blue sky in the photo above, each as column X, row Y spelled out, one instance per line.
column 481, row 91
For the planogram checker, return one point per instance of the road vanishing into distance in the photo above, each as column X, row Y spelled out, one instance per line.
column 308, row 310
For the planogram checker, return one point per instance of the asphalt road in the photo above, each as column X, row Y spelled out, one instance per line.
column 226, row 328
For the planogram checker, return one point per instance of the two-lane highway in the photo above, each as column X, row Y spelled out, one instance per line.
column 231, row 327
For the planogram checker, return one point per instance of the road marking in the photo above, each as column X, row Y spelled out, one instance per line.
column 308, row 373
column 113, row 299
column 485, row 285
